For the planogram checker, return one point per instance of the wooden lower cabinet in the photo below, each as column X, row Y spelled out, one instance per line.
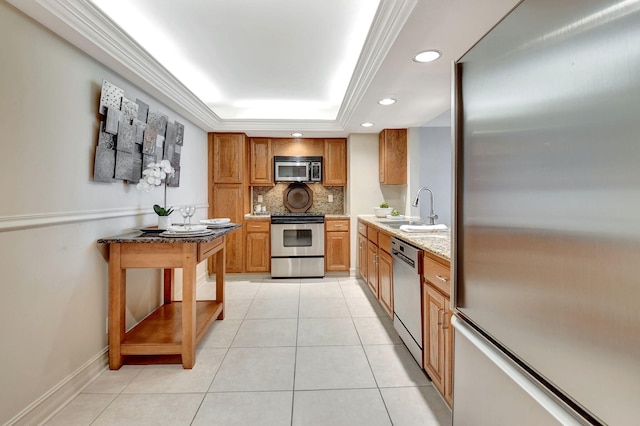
column 375, row 264
column 258, row 245
column 337, row 245
column 438, row 331
column 372, row 267
column 362, row 256
column 434, row 308
column 228, row 202
column 385, row 281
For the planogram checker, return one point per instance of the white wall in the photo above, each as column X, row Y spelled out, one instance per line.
column 364, row 192
column 54, row 275
column 432, row 150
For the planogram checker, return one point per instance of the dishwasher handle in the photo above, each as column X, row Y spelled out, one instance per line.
column 400, row 256
column 406, row 253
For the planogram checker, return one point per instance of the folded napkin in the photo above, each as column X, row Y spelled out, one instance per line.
column 423, row 228
column 187, row 228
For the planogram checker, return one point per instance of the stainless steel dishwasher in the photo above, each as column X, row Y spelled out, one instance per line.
column 407, row 298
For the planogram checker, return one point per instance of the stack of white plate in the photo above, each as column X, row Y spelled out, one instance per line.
column 221, row 222
column 178, row 231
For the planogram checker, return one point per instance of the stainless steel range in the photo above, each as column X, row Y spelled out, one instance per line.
column 297, row 245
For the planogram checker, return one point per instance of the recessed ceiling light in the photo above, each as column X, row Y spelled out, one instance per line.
column 367, row 124
column 427, row 56
column 387, row 101
column 296, row 135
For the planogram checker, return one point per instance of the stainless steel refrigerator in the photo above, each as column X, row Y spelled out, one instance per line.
column 547, row 218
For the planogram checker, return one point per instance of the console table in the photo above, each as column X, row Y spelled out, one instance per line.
column 175, row 328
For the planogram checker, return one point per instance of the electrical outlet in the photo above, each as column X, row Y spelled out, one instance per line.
column 259, row 198
column 331, row 198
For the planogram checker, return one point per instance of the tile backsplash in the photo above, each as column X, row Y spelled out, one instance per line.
column 272, row 198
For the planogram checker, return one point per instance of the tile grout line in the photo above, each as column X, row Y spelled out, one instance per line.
column 295, row 356
column 375, row 379
column 116, row 395
column 223, row 358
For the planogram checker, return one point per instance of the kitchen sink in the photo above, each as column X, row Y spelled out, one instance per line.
column 395, row 224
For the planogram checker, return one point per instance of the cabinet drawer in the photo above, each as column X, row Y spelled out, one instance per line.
column 362, row 228
column 372, row 235
column 384, row 241
column 337, row 225
column 438, row 275
column 258, row 225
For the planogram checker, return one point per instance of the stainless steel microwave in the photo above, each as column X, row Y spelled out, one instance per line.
column 297, row 169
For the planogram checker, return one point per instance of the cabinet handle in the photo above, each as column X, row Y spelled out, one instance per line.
column 439, row 322
column 441, row 278
column 444, row 320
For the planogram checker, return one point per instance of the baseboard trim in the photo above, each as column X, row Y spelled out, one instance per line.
column 45, row 407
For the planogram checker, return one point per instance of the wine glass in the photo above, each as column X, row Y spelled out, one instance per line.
column 184, row 212
column 191, row 210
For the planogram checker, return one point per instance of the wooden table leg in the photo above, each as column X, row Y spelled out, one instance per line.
column 168, row 286
column 189, row 255
column 117, row 292
column 220, row 271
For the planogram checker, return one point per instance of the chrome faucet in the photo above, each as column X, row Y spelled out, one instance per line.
column 432, row 216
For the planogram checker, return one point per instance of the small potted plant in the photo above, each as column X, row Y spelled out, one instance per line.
column 153, row 176
column 383, row 210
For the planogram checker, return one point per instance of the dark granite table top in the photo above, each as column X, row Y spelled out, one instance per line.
column 145, row 237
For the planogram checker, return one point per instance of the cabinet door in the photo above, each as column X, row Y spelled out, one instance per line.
column 385, row 281
column 258, row 251
column 228, row 157
column 372, row 267
column 261, row 161
column 381, row 158
column 434, row 340
column 228, row 202
column 448, row 354
column 392, row 151
column 362, row 256
column 337, row 251
column 335, row 162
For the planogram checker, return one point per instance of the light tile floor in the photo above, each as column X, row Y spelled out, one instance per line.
column 290, row 352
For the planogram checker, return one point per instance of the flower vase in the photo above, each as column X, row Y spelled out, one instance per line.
column 164, row 222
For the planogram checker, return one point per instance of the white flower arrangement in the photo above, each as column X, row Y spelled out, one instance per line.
column 155, row 175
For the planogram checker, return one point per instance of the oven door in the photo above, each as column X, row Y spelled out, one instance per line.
column 297, row 239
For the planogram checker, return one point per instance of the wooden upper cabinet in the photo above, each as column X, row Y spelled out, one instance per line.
column 392, row 145
column 261, row 162
column 335, row 162
column 228, row 157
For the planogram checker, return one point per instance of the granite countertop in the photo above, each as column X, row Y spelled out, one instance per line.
column 438, row 243
column 143, row 237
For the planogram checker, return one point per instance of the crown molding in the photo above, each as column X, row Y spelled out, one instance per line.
column 86, row 27
column 387, row 24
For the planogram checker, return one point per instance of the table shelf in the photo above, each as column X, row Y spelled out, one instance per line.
column 161, row 331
